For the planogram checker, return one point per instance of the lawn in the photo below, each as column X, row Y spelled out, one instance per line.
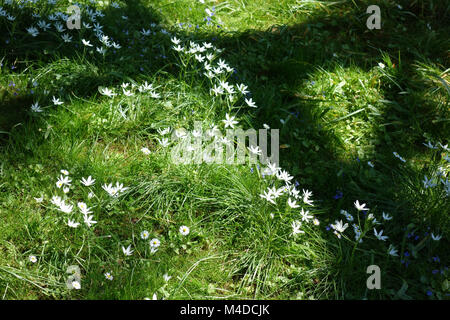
column 94, row 204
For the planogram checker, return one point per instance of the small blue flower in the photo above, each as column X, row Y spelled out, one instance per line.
column 339, row 194
column 429, row 293
column 406, row 254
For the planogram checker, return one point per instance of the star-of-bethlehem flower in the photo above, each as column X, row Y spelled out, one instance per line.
column 305, row 215
column 296, row 225
column 229, row 121
column 379, row 235
column 436, row 237
column 250, row 103
column 127, row 251
column 360, row 207
column 386, row 216
column 392, row 251
column 88, row 182
column 86, row 43
column 292, row 203
column 72, row 223
column 88, row 220
column 339, row 227
column 107, row 92
column 56, row 101
column 36, row 108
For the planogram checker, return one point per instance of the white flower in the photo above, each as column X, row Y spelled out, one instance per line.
column 436, row 237
column 164, row 142
column 86, row 43
column 164, row 131
column 427, row 183
column 285, row 176
column 255, row 150
column 268, row 196
column 392, row 251
column 429, row 145
column 292, row 203
column 110, row 189
column 398, row 156
column 155, row 243
column 360, row 207
column 63, row 181
column 229, row 121
column 381, row 65
column 33, row 259
column 145, row 234
column 370, row 164
column 175, row 40
column 145, row 150
column 242, row 88
column 166, row 277
column 316, row 221
column 184, row 230
column 109, row 276
column 88, row 182
column 36, row 108
column 339, row 226
column 379, row 235
column 445, row 147
column 127, row 251
column 66, row 37
column 56, row 200
column 88, row 220
column 250, row 103
column 76, row 285
column 33, row 31
column 39, row 200
column 56, row 101
column 72, row 224
column 84, row 208
column 107, row 92
column 101, row 50
column 386, row 216
column 306, row 195
column 66, row 208
column 305, row 215
column 178, row 48
column 296, row 225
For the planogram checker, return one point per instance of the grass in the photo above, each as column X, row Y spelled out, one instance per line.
column 344, row 98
